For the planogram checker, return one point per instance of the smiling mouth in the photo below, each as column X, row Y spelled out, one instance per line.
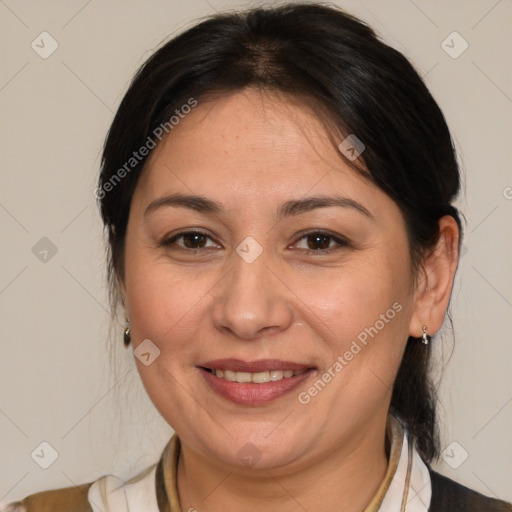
column 257, row 377
column 254, row 383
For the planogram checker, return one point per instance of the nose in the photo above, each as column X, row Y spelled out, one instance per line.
column 251, row 302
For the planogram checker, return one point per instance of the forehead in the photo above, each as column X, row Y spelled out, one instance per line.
column 250, row 143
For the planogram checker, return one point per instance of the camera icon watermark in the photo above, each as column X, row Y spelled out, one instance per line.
column 249, row 455
column 507, row 193
column 351, row 147
column 454, row 455
column 44, row 455
column 44, row 45
column 454, row 45
column 249, row 249
column 44, row 250
column 146, row 352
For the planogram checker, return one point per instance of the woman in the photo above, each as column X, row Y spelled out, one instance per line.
column 277, row 190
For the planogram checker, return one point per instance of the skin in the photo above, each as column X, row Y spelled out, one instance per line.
column 252, row 152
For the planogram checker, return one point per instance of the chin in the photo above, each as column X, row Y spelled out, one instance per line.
column 256, row 447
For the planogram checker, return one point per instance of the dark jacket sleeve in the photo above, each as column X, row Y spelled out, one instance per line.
column 449, row 496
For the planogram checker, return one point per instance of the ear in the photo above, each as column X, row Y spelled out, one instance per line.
column 435, row 281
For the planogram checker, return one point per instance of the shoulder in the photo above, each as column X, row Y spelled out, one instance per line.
column 59, row 500
column 106, row 493
column 448, row 495
column 146, row 491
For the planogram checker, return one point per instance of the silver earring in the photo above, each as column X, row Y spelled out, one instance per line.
column 127, row 338
column 424, row 336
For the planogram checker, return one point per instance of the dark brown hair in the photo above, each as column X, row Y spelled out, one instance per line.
column 321, row 54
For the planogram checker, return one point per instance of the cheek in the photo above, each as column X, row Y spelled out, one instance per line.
column 360, row 314
column 167, row 309
column 345, row 301
column 163, row 303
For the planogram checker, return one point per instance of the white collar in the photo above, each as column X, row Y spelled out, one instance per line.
column 419, row 491
column 110, row 494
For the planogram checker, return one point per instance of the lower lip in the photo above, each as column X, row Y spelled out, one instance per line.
column 250, row 393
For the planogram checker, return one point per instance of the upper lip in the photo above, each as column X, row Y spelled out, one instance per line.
column 262, row 365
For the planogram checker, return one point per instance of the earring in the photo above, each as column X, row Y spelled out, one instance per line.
column 127, row 336
column 424, row 336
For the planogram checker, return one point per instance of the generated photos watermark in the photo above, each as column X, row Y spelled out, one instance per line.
column 137, row 156
column 304, row 397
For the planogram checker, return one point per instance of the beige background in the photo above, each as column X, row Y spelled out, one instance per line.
column 57, row 381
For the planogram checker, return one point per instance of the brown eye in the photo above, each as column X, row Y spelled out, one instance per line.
column 318, row 241
column 194, row 240
column 191, row 240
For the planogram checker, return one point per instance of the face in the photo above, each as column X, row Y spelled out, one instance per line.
column 278, row 296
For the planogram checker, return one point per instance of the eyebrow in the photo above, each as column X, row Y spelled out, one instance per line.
column 290, row 208
column 193, row 202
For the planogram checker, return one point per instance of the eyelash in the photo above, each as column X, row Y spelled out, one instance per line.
column 340, row 241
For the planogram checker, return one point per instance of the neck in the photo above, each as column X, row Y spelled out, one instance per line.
column 346, row 479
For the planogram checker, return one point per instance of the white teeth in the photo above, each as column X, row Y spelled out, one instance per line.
column 229, row 375
column 259, row 377
column 276, row 375
column 243, row 377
